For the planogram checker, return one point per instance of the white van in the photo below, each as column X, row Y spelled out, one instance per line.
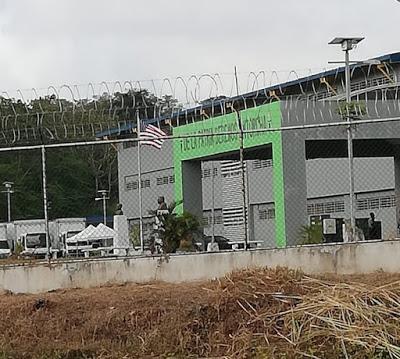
column 5, row 250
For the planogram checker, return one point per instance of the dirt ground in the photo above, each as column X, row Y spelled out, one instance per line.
column 219, row 318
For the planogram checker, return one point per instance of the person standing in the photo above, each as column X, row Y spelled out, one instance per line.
column 372, row 227
column 159, row 225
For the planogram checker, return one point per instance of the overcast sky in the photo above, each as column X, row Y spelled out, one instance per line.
column 45, row 42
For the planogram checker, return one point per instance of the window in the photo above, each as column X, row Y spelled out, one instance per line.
column 205, row 221
column 172, row 179
column 387, row 202
column 162, row 180
column 319, row 208
column 266, row 214
column 266, row 163
column 215, row 172
column 262, row 214
column 339, row 206
column 218, row 219
column 258, row 164
column 329, row 207
column 146, row 183
column 323, row 208
column 373, row 203
column 131, row 183
column 206, row 172
column 271, row 213
column 362, row 204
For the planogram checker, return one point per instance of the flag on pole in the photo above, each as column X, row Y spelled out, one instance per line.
column 152, row 136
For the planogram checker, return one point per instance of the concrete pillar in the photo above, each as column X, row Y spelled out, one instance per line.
column 397, row 185
column 121, row 240
column 294, row 185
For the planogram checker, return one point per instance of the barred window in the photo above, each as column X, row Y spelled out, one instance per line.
column 145, row 183
column 362, row 204
column 205, row 221
column 262, row 214
column 162, row 180
column 373, row 203
column 271, row 213
column 266, row 214
column 129, row 186
column 258, row 164
column 339, row 206
column 206, row 173
column 319, row 208
column 130, row 183
column 218, row 219
column 376, row 203
column 172, row 179
column 266, row 163
column 324, row 208
column 215, row 172
column 387, row 202
column 329, row 207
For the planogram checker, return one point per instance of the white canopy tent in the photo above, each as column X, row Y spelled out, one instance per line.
column 92, row 233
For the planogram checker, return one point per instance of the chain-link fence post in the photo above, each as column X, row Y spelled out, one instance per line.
column 46, row 218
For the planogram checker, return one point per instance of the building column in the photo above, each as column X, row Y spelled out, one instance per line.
column 397, row 185
column 290, row 187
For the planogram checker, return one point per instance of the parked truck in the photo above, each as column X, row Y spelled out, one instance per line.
column 34, row 244
column 30, row 235
column 64, row 228
column 5, row 247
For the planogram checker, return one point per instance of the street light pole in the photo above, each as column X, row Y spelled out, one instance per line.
column 103, row 198
column 347, row 45
column 8, row 191
column 350, row 145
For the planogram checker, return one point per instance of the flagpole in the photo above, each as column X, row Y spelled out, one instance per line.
column 139, row 183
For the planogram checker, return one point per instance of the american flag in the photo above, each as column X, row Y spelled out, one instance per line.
column 152, row 136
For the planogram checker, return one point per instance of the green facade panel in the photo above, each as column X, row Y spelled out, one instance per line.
column 200, row 148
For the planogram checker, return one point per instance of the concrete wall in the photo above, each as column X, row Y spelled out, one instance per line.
column 354, row 258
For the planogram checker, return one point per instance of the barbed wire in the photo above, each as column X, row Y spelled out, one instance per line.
column 67, row 112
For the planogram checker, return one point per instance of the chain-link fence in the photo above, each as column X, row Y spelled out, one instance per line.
column 216, row 184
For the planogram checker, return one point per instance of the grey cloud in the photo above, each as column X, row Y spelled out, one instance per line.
column 46, row 42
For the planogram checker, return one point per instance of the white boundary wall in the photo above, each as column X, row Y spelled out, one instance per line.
column 353, row 258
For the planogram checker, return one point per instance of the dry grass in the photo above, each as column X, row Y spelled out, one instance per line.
column 255, row 313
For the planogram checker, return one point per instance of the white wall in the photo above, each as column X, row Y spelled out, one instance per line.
column 354, row 258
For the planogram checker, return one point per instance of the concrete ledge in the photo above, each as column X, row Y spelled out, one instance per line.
column 350, row 258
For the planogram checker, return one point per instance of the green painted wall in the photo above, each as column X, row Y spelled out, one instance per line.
column 197, row 148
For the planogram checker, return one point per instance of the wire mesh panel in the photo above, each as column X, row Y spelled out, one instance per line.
column 129, row 171
column 23, row 227
column 83, row 197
